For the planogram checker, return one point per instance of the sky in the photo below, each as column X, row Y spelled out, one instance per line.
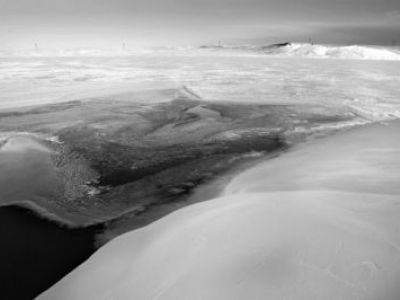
column 143, row 23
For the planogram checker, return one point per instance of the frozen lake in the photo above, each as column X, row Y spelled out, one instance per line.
column 363, row 91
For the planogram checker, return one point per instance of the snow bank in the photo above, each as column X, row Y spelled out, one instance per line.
column 343, row 52
column 366, row 159
column 276, row 238
column 307, row 245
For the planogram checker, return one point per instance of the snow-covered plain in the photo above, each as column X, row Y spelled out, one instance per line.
column 319, row 222
column 369, row 87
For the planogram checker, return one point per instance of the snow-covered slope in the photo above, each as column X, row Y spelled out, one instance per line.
column 289, row 239
column 363, row 160
column 305, row 245
column 343, row 52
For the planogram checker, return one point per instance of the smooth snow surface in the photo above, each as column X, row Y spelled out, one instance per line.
column 366, row 159
column 342, row 52
column 319, row 222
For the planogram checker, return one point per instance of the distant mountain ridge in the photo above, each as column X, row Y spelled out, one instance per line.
column 288, row 49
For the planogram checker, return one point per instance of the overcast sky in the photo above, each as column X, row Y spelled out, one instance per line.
column 106, row 23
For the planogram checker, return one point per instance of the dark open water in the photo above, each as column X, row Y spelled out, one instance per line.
column 36, row 253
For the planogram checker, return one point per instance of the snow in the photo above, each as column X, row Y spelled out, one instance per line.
column 361, row 160
column 308, row 50
column 368, row 88
column 318, row 222
column 341, row 52
column 22, row 143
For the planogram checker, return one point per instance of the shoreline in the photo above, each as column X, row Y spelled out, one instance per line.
column 43, row 213
column 132, row 220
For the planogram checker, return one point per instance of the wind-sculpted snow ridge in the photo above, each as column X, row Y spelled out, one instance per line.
column 318, row 222
column 342, row 52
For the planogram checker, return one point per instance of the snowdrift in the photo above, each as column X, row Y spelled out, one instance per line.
column 342, row 52
column 307, row 245
column 267, row 241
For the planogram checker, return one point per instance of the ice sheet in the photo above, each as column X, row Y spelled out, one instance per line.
column 369, row 88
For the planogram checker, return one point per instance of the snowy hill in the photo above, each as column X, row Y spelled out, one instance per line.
column 343, row 52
